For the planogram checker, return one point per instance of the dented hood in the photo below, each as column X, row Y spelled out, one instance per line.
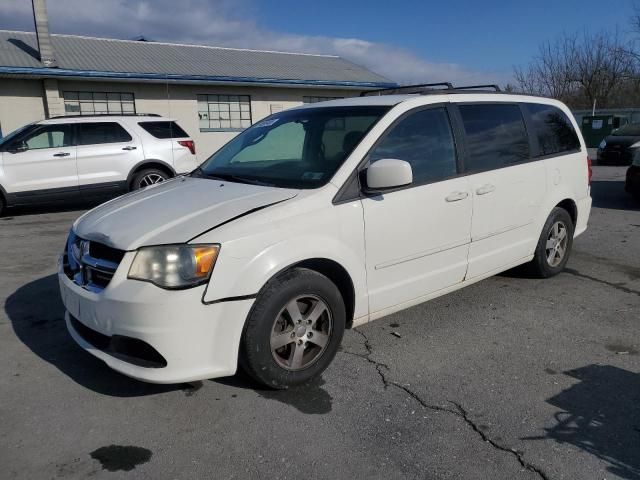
column 173, row 212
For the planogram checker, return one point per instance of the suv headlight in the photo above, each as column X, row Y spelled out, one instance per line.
column 174, row 266
column 603, row 144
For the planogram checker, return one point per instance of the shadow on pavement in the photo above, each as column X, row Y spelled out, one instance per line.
column 37, row 315
column 601, row 415
column 611, row 195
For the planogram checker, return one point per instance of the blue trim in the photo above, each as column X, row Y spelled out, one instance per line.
column 63, row 72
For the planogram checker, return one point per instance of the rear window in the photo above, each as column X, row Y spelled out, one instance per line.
column 553, row 129
column 102, row 132
column 164, row 129
column 496, row 135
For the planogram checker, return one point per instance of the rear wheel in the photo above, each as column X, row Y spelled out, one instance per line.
column 148, row 177
column 294, row 329
column 554, row 245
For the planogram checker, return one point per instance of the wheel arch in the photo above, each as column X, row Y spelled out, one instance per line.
column 572, row 209
column 147, row 164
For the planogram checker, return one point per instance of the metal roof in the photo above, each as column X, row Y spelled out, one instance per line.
column 135, row 60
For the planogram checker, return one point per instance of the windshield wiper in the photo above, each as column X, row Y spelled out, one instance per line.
column 235, row 178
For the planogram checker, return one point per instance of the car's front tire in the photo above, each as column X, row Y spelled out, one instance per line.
column 554, row 246
column 294, row 329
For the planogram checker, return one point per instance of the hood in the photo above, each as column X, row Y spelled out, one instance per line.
column 173, row 212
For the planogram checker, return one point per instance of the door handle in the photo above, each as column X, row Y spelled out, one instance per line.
column 483, row 190
column 61, row 154
column 456, row 196
column 129, row 148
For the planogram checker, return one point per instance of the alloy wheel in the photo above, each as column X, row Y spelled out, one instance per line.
column 556, row 246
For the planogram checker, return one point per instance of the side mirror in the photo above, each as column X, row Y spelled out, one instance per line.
column 386, row 174
column 17, row 147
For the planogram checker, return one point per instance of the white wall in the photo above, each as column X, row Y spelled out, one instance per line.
column 21, row 102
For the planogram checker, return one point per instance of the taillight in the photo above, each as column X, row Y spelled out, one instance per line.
column 190, row 144
column 590, row 167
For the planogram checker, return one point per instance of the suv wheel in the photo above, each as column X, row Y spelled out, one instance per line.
column 2, row 205
column 148, row 177
column 554, row 245
column 294, row 329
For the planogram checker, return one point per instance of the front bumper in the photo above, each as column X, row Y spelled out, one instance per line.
column 197, row 341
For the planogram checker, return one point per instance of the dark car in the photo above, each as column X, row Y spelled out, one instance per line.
column 620, row 147
column 632, row 184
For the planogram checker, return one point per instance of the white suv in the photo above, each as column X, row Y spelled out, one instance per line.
column 321, row 218
column 89, row 157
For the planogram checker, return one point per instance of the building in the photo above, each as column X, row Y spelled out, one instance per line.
column 213, row 92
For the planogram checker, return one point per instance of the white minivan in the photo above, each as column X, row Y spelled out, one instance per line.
column 321, row 218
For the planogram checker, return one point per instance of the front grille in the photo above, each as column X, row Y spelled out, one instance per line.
column 90, row 264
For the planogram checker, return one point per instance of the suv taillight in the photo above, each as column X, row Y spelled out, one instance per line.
column 590, row 167
column 190, row 144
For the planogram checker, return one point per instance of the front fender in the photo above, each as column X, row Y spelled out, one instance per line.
column 245, row 276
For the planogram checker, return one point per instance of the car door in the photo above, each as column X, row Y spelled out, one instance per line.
column 417, row 238
column 42, row 161
column 107, row 152
column 508, row 188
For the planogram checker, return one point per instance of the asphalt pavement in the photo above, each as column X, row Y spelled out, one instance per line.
column 511, row 378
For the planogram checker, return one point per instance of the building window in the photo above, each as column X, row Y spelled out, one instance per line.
column 306, row 99
column 224, row 112
column 98, row 103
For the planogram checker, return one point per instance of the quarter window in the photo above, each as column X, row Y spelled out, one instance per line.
column 97, row 103
column 553, row 129
column 224, row 112
column 102, row 132
column 496, row 135
column 162, row 129
column 424, row 139
column 49, row 136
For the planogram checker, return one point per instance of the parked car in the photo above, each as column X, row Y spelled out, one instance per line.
column 91, row 156
column 632, row 184
column 620, row 147
column 321, row 218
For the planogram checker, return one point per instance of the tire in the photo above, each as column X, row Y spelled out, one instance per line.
column 148, row 176
column 545, row 262
column 273, row 335
column 2, row 206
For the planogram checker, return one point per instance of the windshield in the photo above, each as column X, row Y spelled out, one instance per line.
column 629, row 130
column 299, row 148
column 7, row 140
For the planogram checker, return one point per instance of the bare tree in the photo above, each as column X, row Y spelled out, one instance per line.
column 579, row 69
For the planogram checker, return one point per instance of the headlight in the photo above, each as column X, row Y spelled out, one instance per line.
column 635, row 145
column 174, row 266
column 603, row 144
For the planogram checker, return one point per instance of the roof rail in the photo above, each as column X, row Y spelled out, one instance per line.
column 431, row 88
column 493, row 86
column 407, row 89
column 108, row 115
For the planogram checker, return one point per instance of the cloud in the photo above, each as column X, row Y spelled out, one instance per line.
column 228, row 23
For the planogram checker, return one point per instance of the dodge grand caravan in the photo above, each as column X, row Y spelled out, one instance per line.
column 321, row 218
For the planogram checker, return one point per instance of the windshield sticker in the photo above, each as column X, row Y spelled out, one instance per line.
column 312, row 175
column 267, row 123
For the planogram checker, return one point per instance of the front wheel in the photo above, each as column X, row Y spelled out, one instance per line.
column 554, row 245
column 294, row 329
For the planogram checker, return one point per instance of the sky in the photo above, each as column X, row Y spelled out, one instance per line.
column 407, row 41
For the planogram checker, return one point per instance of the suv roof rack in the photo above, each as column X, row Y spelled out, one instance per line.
column 108, row 115
column 432, row 88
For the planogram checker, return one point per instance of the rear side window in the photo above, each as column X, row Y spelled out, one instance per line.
column 424, row 139
column 553, row 129
column 164, row 129
column 102, row 132
column 496, row 135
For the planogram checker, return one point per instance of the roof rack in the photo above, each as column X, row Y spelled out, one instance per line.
column 431, row 88
column 108, row 115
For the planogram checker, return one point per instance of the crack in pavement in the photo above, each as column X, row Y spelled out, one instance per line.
column 617, row 286
column 459, row 411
